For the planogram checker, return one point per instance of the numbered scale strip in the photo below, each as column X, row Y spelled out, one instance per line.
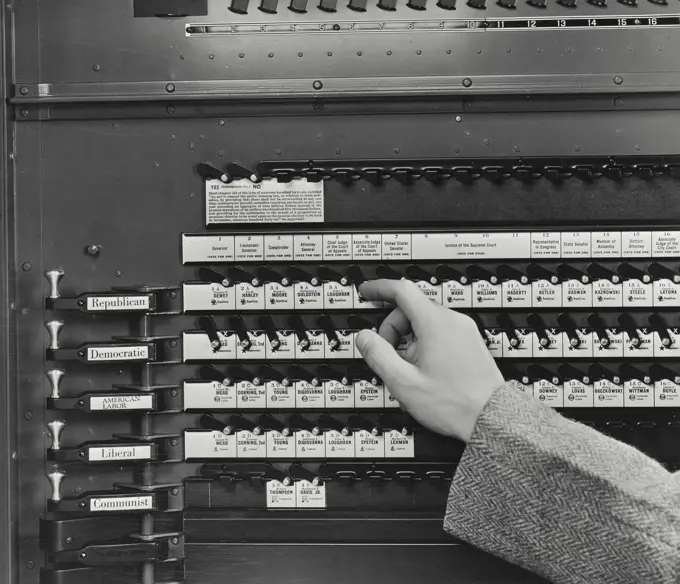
column 470, row 25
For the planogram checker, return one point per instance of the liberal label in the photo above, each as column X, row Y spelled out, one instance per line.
column 118, row 353
column 638, row 394
column 608, row 394
column 339, row 446
column 101, row 453
column 106, row 303
column 209, row 395
column 280, row 496
column 366, row 445
column 269, row 201
column 122, row 402
column 307, row 445
column 309, row 496
column 399, row 446
column 213, row 444
column 280, row 446
column 577, row 394
column 122, row 503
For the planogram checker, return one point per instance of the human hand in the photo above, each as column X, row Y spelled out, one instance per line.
column 446, row 376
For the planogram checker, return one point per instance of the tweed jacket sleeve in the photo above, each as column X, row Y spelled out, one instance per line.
column 562, row 500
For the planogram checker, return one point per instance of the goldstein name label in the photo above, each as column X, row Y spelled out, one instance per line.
column 118, row 353
column 121, row 402
column 124, row 503
column 106, row 303
column 101, row 453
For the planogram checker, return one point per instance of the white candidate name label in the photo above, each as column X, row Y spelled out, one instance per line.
column 117, row 353
column 310, row 496
column 398, row 445
column 207, row 395
column 105, row 303
column 280, row 496
column 123, row 503
column 97, row 453
column 122, row 402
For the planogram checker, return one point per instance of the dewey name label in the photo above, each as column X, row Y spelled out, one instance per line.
column 125, row 503
column 142, row 452
column 104, row 303
column 122, row 402
column 117, row 353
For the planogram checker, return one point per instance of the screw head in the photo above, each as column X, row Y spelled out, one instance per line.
column 174, row 491
column 96, row 67
column 618, row 80
column 174, row 540
column 94, row 249
column 220, row 123
column 30, row 564
column 173, row 442
column 118, row 274
column 23, row 91
column 170, row 109
column 28, row 416
column 69, row 540
column 170, row 87
column 24, row 113
column 83, row 555
column 173, row 344
column 26, row 267
column 467, row 82
column 317, row 85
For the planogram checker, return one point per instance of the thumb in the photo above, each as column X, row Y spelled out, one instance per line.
column 383, row 360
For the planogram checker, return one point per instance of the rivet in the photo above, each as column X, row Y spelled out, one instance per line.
column 96, row 67
column 479, row 51
column 318, row 107
column 28, row 416
column 24, row 113
column 118, row 274
column 220, row 153
column 317, row 85
column 192, row 195
column 174, row 540
column 330, row 54
column 173, row 138
column 577, row 148
column 467, row 82
column 241, row 55
column 30, row 564
column 114, row 126
column 173, row 344
column 279, row 152
column 173, row 393
column 173, row 294
column 419, row 52
column 23, row 91
column 271, row 55
column 173, row 442
column 638, row 147
column 539, row 50
column 94, row 249
column 69, row 540
column 220, row 123
column 459, row 119
column 211, row 56
column 170, row 109
column 338, row 151
column 359, row 53
column 487, row 141
column 170, row 87
column 397, row 151
column 15, row 456
column 618, row 80
column 456, row 150
column 618, row 102
column 26, row 267
column 508, row 51
column 448, row 51
column 181, row 57
column 77, row 489
column 299, row 54
column 81, row 353
column 83, row 555
column 175, row 491
column 389, row 53
column 516, row 148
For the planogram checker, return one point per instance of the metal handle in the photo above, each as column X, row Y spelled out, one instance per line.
column 54, row 277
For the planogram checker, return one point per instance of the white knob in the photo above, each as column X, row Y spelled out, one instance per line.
column 55, row 479
column 56, row 427
column 54, row 328
column 54, row 277
column 55, row 376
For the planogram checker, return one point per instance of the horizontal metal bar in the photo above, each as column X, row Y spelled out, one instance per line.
column 264, row 89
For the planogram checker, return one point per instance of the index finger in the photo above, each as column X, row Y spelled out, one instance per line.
column 403, row 293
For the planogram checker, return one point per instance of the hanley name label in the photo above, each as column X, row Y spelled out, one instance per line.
column 118, row 353
column 106, row 303
column 124, row 503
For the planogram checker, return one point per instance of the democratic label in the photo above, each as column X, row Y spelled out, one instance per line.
column 139, row 353
column 122, row 503
column 122, row 453
column 122, row 402
column 111, row 303
column 269, row 201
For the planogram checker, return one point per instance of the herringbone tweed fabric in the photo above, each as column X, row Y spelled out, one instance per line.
column 564, row 501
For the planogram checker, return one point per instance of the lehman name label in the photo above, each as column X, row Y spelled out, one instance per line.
column 105, row 303
column 117, row 353
column 142, row 452
column 126, row 503
column 122, row 402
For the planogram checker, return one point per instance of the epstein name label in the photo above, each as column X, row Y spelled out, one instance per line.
column 142, row 452
column 121, row 402
column 118, row 353
column 126, row 503
column 105, row 303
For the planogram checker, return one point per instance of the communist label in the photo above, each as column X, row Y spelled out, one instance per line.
column 121, row 402
column 106, row 303
column 122, row 453
column 638, row 394
column 280, row 496
column 122, row 503
column 242, row 201
column 209, row 395
column 212, row 444
column 608, row 394
column 310, row 496
column 398, row 445
column 118, row 353
column 338, row 445
column 577, row 394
